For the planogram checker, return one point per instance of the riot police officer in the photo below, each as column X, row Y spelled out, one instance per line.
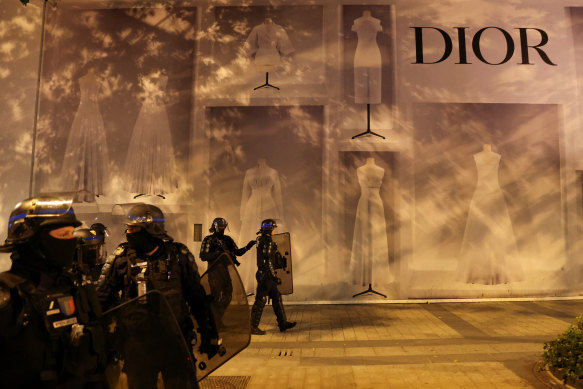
column 91, row 252
column 210, row 251
column 268, row 259
column 49, row 335
column 214, row 245
column 151, row 260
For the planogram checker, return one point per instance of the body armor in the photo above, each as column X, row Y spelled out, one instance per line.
column 48, row 335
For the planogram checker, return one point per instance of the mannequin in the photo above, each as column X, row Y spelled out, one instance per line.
column 86, row 156
column 267, row 43
column 367, row 65
column 369, row 260
column 488, row 254
column 261, row 199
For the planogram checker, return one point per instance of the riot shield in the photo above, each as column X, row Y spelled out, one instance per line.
column 231, row 313
column 146, row 347
column 284, row 270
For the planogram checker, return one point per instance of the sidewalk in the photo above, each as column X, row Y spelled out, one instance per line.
column 438, row 345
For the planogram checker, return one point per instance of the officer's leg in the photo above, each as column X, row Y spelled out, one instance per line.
column 257, row 309
column 277, row 302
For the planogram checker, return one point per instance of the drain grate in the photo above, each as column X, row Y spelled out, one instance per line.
column 225, row 382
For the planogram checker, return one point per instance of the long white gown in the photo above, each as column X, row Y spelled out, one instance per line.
column 86, row 157
column 150, row 166
column 369, row 260
column 488, row 253
column 261, row 199
column 268, row 42
column 367, row 61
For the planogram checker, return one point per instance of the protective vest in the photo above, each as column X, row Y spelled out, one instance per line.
column 49, row 336
column 162, row 274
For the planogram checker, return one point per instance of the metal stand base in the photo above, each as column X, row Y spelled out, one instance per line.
column 143, row 194
column 368, row 131
column 267, row 84
column 369, row 290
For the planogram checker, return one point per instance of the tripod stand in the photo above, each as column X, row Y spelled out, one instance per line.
column 369, row 290
column 368, row 131
column 267, row 84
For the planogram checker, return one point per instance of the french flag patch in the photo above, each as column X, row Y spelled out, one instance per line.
column 67, row 305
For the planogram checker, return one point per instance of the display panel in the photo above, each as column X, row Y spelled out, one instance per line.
column 266, row 162
column 285, row 42
column 116, row 101
column 487, row 194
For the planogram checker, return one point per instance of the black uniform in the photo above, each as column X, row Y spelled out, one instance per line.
column 219, row 279
column 49, row 334
column 172, row 271
column 268, row 259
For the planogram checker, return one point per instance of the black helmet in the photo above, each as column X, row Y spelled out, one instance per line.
column 150, row 218
column 32, row 214
column 100, row 230
column 91, row 245
column 218, row 223
column 267, row 225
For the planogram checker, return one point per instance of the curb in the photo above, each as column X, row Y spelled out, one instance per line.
column 550, row 380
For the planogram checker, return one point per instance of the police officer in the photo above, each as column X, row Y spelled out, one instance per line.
column 91, row 252
column 210, row 251
column 214, row 245
column 151, row 260
column 49, row 336
column 268, row 259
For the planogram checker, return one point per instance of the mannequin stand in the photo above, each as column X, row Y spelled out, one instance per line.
column 143, row 194
column 368, row 131
column 369, row 290
column 267, row 84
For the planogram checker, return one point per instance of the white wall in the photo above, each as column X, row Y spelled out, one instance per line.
column 435, row 118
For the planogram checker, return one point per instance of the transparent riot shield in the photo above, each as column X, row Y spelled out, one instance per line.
column 284, row 269
column 231, row 314
column 145, row 346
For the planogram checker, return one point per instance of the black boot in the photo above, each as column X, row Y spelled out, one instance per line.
column 256, row 312
column 282, row 322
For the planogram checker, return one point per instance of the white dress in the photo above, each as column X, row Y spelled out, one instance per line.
column 268, row 42
column 261, row 199
column 150, row 167
column 369, row 261
column 488, row 254
column 86, row 157
column 367, row 61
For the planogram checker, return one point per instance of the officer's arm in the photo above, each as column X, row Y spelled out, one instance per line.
column 110, row 281
column 205, row 250
column 6, row 311
column 232, row 246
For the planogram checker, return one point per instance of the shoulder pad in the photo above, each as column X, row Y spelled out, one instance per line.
column 4, row 297
column 120, row 250
column 182, row 249
column 10, row 280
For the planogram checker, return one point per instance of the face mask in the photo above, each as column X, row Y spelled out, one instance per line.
column 141, row 241
column 58, row 252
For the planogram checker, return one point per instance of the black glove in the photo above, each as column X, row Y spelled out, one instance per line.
column 250, row 244
column 210, row 348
